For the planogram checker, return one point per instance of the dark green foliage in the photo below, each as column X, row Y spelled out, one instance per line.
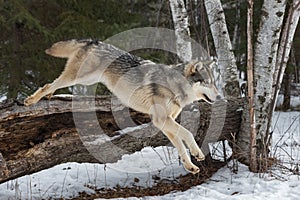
column 28, row 27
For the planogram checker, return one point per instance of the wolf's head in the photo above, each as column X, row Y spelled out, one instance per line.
column 200, row 75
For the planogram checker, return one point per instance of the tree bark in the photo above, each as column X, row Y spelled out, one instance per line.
column 229, row 73
column 44, row 135
column 182, row 31
column 253, row 160
column 266, row 48
column 285, row 48
column 222, row 43
column 287, row 91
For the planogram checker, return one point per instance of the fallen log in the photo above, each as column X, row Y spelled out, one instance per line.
column 65, row 130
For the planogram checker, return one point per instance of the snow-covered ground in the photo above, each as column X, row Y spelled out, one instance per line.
column 225, row 185
column 295, row 101
column 66, row 180
column 2, row 98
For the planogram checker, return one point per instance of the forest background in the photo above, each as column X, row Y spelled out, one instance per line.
column 30, row 27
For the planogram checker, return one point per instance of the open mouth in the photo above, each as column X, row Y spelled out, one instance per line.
column 207, row 99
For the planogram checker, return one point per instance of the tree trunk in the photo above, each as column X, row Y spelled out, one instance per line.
column 44, row 135
column 229, row 72
column 16, row 66
column 222, row 43
column 266, row 48
column 182, row 32
column 236, row 39
column 287, row 91
column 285, row 48
column 250, row 76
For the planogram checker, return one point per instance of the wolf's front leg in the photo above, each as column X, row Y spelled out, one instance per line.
column 172, row 126
column 40, row 93
column 189, row 140
column 184, row 157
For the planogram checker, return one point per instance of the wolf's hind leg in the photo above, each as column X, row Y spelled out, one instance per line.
column 35, row 97
column 49, row 89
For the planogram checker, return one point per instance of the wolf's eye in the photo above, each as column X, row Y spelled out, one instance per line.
column 198, row 79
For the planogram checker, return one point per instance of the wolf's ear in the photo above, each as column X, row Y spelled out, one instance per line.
column 210, row 63
column 190, row 68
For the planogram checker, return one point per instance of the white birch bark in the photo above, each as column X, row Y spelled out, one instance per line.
column 182, row 32
column 223, row 46
column 264, row 61
column 285, row 47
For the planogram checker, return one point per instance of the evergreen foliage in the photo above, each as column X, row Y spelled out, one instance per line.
column 28, row 27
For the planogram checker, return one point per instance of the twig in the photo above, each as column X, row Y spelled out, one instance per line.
column 285, row 133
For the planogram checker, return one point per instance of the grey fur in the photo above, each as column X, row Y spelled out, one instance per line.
column 159, row 90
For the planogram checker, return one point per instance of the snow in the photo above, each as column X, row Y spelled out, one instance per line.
column 66, row 180
column 286, row 140
column 64, row 95
column 295, row 101
column 3, row 98
column 225, row 185
column 131, row 129
column 102, row 138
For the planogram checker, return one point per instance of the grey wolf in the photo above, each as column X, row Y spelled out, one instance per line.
column 156, row 89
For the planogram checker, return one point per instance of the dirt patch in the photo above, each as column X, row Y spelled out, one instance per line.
column 162, row 187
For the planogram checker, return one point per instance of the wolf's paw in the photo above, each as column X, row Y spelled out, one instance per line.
column 198, row 154
column 192, row 168
column 199, row 157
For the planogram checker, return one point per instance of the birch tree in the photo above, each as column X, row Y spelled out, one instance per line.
column 223, row 46
column 285, row 48
column 269, row 62
column 182, row 31
column 265, row 55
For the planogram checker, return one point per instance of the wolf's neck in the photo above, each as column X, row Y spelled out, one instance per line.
column 179, row 67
